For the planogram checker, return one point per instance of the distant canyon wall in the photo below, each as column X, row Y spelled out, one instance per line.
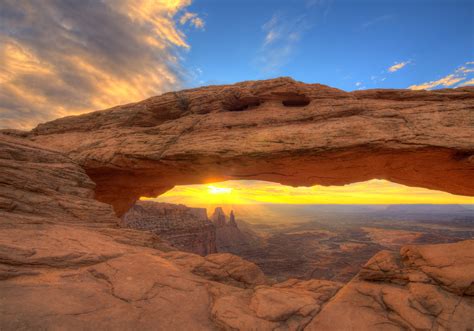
column 187, row 229
column 230, row 238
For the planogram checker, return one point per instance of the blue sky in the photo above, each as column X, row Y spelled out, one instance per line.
column 345, row 44
column 67, row 57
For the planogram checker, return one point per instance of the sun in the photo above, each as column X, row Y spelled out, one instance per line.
column 219, row 190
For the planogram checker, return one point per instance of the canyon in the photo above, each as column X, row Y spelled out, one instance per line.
column 333, row 242
column 66, row 263
column 187, row 229
column 230, row 237
column 330, row 242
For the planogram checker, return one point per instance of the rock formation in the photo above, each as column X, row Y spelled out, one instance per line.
column 426, row 287
column 278, row 130
column 66, row 264
column 232, row 219
column 229, row 237
column 187, row 229
column 218, row 217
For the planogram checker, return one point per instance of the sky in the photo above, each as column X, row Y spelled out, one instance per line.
column 251, row 192
column 67, row 57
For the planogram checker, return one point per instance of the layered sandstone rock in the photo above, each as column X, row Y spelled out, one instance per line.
column 65, row 263
column 277, row 130
column 428, row 287
column 36, row 182
column 229, row 237
column 218, row 217
column 185, row 228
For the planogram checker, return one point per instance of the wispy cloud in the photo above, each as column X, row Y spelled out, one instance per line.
column 193, row 18
column 375, row 21
column 64, row 57
column 468, row 82
column 282, row 35
column 323, row 5
column 460, row 74
column 398, row 65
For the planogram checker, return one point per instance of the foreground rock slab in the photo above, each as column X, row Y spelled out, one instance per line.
column 61, row 269
column 77, row 270
column 427, row 287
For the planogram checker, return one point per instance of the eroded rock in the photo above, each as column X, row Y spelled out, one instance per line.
column 426, row 287
column 187, row 229
column 65, row 264
column 277, row 130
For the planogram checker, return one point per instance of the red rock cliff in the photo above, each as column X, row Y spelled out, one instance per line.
column 187, row 229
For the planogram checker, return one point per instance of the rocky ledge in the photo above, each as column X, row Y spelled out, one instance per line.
column 427, row 287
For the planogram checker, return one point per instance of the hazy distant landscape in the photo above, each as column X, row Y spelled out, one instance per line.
column 334, row 241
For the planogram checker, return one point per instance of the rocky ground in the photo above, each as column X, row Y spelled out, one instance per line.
column 66, row 264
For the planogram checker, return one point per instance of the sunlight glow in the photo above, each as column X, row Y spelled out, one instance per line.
column 259, row 192
column 218, row 190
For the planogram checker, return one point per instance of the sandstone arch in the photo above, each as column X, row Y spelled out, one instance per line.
column 277, row 130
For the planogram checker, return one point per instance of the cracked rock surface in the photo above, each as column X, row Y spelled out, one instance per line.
column 428, row 287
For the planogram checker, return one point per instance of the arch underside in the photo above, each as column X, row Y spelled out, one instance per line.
column 277, row 130
column 437, row 169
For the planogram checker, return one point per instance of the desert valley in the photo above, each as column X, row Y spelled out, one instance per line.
column 331, row 242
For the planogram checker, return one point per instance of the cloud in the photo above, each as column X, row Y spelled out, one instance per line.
column 193, row 18
column 323, row 5
column 468, row 83
column 282, row 35
column 446, row 81
column 375, row 21
column 64, row 57
column 465, row 70
column 360, row 85
column 397, row 66
column 460, row 74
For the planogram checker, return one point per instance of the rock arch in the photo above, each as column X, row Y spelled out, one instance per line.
column 276, row 130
